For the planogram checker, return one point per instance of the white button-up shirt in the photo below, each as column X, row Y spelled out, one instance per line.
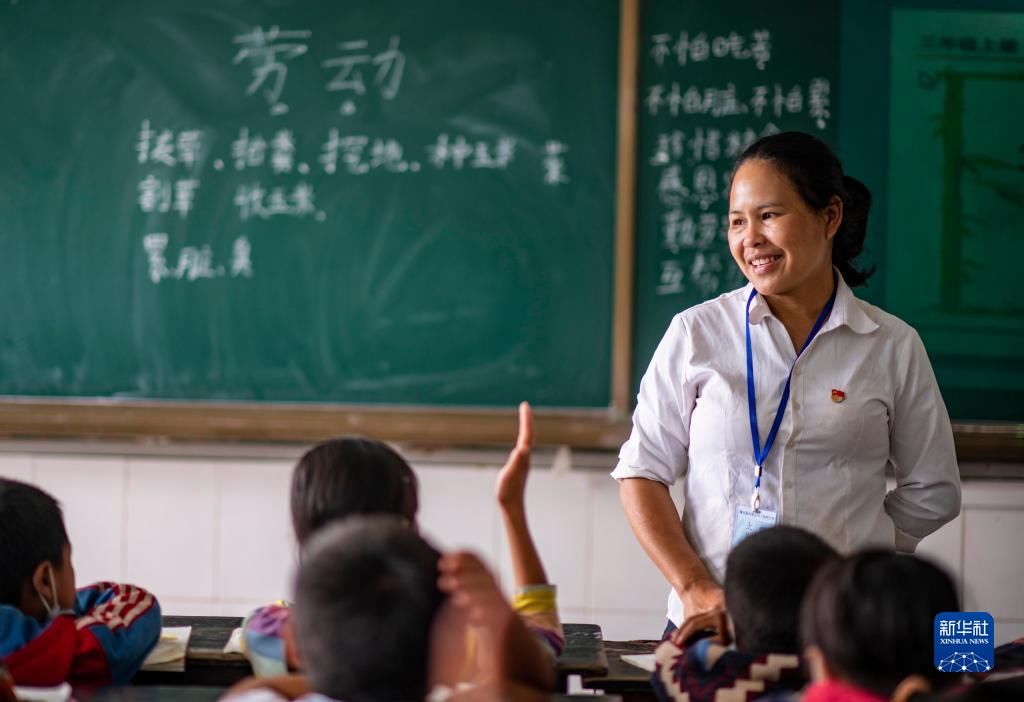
column 826, row 471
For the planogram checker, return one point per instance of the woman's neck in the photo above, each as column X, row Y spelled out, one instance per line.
column 799, row 309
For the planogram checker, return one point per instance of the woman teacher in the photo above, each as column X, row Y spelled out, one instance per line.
column 785, row 401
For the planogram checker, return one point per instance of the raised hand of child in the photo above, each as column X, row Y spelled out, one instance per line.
column 511, row 485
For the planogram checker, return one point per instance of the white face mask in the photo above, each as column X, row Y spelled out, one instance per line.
column 52, row 610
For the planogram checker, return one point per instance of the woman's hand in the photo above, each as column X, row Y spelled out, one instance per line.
column 703, row 595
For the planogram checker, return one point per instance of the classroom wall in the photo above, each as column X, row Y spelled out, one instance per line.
column 209, row 532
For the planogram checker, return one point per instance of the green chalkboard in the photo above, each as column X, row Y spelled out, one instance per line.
column 947, row 181
column 957, row 100
column 362, row 202
column 714, row 77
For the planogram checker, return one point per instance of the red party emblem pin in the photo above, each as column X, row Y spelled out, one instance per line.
column 838, row 395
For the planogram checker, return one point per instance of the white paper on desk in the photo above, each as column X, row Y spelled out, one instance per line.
column 234, row 644
column 169, row 652
column 60, row 693
column 641, row 660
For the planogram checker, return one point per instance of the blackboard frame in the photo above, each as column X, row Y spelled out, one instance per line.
column 149, row 421
column 603, row 429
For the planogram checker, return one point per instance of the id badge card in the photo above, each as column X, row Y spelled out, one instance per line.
column 749, row 521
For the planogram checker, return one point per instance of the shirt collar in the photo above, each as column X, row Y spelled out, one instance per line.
column 847, row 311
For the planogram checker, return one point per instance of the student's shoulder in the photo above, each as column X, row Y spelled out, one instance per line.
column 16, row 629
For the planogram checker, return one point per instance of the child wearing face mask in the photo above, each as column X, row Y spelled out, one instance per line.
column 49, row 632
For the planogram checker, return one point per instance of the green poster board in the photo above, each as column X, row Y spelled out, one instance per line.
column 956, row 174
column 714, row 77
column 359, row 202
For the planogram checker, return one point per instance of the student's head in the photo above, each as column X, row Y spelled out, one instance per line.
column 36, row 574
column 868, row 620
column 346, row 476
column 793, row 215
column 766, row 577
column 366, row 597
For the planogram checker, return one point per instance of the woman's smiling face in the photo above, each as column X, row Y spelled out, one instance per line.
column 780, row 243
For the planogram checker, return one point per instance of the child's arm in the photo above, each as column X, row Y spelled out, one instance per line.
column 124, row 621
column 511, row 493
column 513, row 653
column 534, row 598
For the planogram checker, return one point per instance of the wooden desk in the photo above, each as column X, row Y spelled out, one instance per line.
column 207, row 664
column 584, row 653
column 632, row 683
column 205, row 661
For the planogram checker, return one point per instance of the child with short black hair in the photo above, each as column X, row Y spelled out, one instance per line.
column 868, row 626
column 49, row 633
column 366, row 599
column 766, row 577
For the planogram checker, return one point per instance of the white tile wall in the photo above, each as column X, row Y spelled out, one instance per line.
column 212, row 536
column 257, row 547
column 17, row 467
column 457, row 509
column 945, row 548
column 191, row 607
column 91, row 493
column 558, row 506
column 171, row 528
column 621, row 575
column 627, row 626
column 1001, row 591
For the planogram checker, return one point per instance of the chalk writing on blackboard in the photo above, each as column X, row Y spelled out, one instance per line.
column 699, row 48
column 389, row 65
column 460, row 151
column 554, row 163
column 717, row 121
column 195, row 262
column 255, row 200
column 268, row 51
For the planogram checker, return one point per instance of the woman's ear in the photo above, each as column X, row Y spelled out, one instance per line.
column 910, row 686
column 833, row 216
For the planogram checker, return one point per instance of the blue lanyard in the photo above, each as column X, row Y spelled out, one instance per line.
column 760, row 456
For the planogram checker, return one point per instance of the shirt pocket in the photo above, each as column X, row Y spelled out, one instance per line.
column 847, row 425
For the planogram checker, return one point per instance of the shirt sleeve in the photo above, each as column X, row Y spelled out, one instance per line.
column 927, row 493
column 119, row 625
column 657, row 447
column 263, row 639
column 537, row 606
